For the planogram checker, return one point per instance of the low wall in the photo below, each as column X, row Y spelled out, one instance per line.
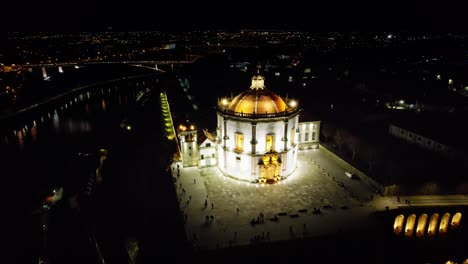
column 363, row 177
column 308, row 145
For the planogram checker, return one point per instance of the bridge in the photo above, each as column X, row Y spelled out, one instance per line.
column 189, row 58
column 78, row 63
column 427, row 225
column 424, row 216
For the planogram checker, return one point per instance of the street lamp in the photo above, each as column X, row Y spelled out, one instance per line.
column 224, row 102
column 293, row 103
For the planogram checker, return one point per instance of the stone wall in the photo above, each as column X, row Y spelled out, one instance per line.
column 363, row 177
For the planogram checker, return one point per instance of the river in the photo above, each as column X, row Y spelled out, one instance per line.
column 40, row 151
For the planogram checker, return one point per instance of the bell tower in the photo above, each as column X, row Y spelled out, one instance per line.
column 187, row 134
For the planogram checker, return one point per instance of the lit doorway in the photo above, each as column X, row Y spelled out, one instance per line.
column 270, row 168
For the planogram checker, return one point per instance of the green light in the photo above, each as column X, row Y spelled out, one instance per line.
column 129, row 127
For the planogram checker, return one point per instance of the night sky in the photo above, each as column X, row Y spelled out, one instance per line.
column 179, row 16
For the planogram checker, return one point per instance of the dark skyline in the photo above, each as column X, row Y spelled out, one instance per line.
column 82, row 16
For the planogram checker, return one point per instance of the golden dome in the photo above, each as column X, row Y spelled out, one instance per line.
column 257, row 100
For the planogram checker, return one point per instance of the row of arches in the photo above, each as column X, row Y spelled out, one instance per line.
column 425, row 226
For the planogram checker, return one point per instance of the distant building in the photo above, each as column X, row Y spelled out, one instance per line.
column 420, row 140
column 169, row 46
column 440, row 133
column 257, row 137
column 239, row 65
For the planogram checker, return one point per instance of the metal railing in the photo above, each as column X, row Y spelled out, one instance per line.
column 285, row 113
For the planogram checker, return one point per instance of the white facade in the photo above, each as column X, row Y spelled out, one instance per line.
column 309, row 133
column 208, row 154
column 243, row 160
column 189, row 148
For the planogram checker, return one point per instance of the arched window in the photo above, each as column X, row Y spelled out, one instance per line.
column 270, row 143
column 239, row 142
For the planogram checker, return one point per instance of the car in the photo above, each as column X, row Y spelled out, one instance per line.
column 352, row 175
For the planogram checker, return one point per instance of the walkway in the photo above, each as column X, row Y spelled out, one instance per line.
column 317, row 183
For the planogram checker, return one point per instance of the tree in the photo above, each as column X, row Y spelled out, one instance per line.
column 354, row 145
column 339, row 138
column 369, row 155
column 327, row 131
column 392, row 172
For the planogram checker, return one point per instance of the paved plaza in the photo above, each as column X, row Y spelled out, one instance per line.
column 318, row 182
column 231, row 205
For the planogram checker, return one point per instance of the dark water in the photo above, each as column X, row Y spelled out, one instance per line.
column 37, row 145
column 40, row 150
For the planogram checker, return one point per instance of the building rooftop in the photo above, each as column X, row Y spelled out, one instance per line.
column 257, row 100
column 447, row 128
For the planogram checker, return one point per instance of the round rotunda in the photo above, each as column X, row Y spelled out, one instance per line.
column 258, row 134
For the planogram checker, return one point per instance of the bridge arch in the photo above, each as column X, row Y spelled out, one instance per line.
column 454, row 225
column 398, row 224
column 422, row 224
column 409, row 227
column 433, row 223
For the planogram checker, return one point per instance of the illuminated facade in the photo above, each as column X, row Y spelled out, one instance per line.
column 258, row 134
column 196, row 149
column 188, row 144
column 257, row 137
column 308, row 136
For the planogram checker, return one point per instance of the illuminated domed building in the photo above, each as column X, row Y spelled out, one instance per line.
column 258, row 132
column 257, row 137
